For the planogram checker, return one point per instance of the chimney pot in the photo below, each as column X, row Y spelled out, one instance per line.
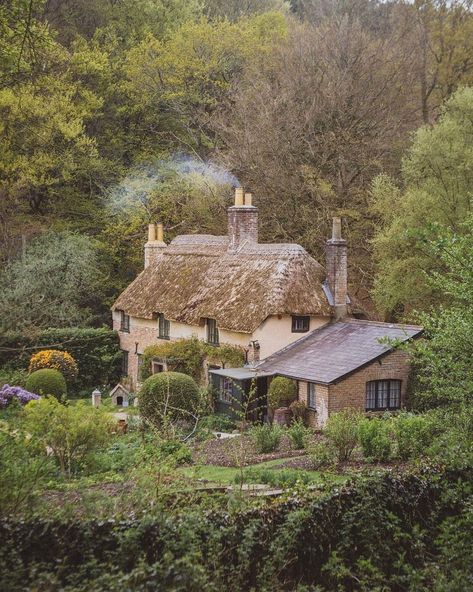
column 160, row 233
column 239, row 196
column 336, row 228
column 151, row 233
column 248, row 199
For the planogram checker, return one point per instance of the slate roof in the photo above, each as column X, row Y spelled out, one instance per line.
column 196, row 277
column 336, row 350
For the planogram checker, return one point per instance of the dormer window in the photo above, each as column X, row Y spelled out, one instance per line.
column 124, row 322
column 164, row 327
column 300, row 324
column 212, row 332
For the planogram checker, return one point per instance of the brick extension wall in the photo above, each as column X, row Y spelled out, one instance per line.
column 351, row 391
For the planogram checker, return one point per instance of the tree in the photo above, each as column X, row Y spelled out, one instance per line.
column 442, row 361
column 437, row 184
column 57, row 283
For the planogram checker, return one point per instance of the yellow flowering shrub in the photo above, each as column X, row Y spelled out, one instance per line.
column 58, row 360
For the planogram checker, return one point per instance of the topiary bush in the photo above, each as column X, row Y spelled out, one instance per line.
column 282, row 392
column 168, row 396
column 57, row 360
column 47, row 382
column 375, row 439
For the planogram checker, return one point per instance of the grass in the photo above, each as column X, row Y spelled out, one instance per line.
column 227, row 475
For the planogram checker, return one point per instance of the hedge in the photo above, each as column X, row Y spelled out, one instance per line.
column 96, row 352
column 386, row 532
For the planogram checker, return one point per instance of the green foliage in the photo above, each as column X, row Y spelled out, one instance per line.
column 342, row 432
column 169, row 396
column 266, row 437
column 13, row 377
column 414, row 435
column 219, row 422
column 96, row 352
column 176, row 449
column 47, row 382
column 376, row 439
column 282, row 392
column 188, row 355
column 298, row 434
column 70, row 432
column 21, row 471
column 57, row 283
column 437, row 185
column 322, row 455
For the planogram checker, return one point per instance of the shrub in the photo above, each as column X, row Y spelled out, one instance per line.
column 375, row 439
column 16, row 377
column 414, row 434
column 218, row 422
column 168, row 396
column 15, row 393
column 321, row 455
column 176, row 449
column 342, row 432
column 276, row 478
column 266, row 437
column 282, row 391
column 57, row 360
column 70, row 432
column 298, row 433
column 298, row 409
column 96, row 352
column 47, row 382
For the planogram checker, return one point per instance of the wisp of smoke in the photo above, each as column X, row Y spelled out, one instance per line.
column 140, row 182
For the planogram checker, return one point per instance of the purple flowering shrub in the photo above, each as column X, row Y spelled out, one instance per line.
column 8, row 393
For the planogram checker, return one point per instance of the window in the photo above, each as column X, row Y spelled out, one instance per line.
column 124, row 322
column 300, row 324
column 164, row 326
column 212, row 332
column 311, row 395
column 383, row 394
column 226, row 390
column 157, row 366
column 124, row 363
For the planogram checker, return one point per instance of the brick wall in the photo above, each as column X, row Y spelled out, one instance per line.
column 242, row 225
column 351, row 391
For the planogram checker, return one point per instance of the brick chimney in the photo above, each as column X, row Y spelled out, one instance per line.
column 155, row 245
column 336, row 256
column 242, row 221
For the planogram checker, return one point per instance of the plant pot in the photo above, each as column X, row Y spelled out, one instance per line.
column 282, row 416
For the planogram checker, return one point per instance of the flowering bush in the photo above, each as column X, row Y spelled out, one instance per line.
column 57, row 360
column 8, row 393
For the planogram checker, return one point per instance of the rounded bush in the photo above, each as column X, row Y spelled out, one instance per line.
column 56, row 360
column 282, row 391
column 47, row 382
column 168, row 395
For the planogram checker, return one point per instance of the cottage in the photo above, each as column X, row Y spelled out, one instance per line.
column 229, row 290
column 289, row 315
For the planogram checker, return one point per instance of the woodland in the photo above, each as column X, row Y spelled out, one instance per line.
column 114, row 113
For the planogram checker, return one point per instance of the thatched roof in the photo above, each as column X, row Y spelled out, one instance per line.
column 196, row 277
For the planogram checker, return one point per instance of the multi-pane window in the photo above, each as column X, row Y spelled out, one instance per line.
column 212, row 332
column 164, row 327
column 383, row 394
column 124, row 322
column 300, row 324
column 311, row 395
column 124, row 363
column 226, row 390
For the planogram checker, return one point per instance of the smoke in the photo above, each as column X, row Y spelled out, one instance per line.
column 136, row 188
